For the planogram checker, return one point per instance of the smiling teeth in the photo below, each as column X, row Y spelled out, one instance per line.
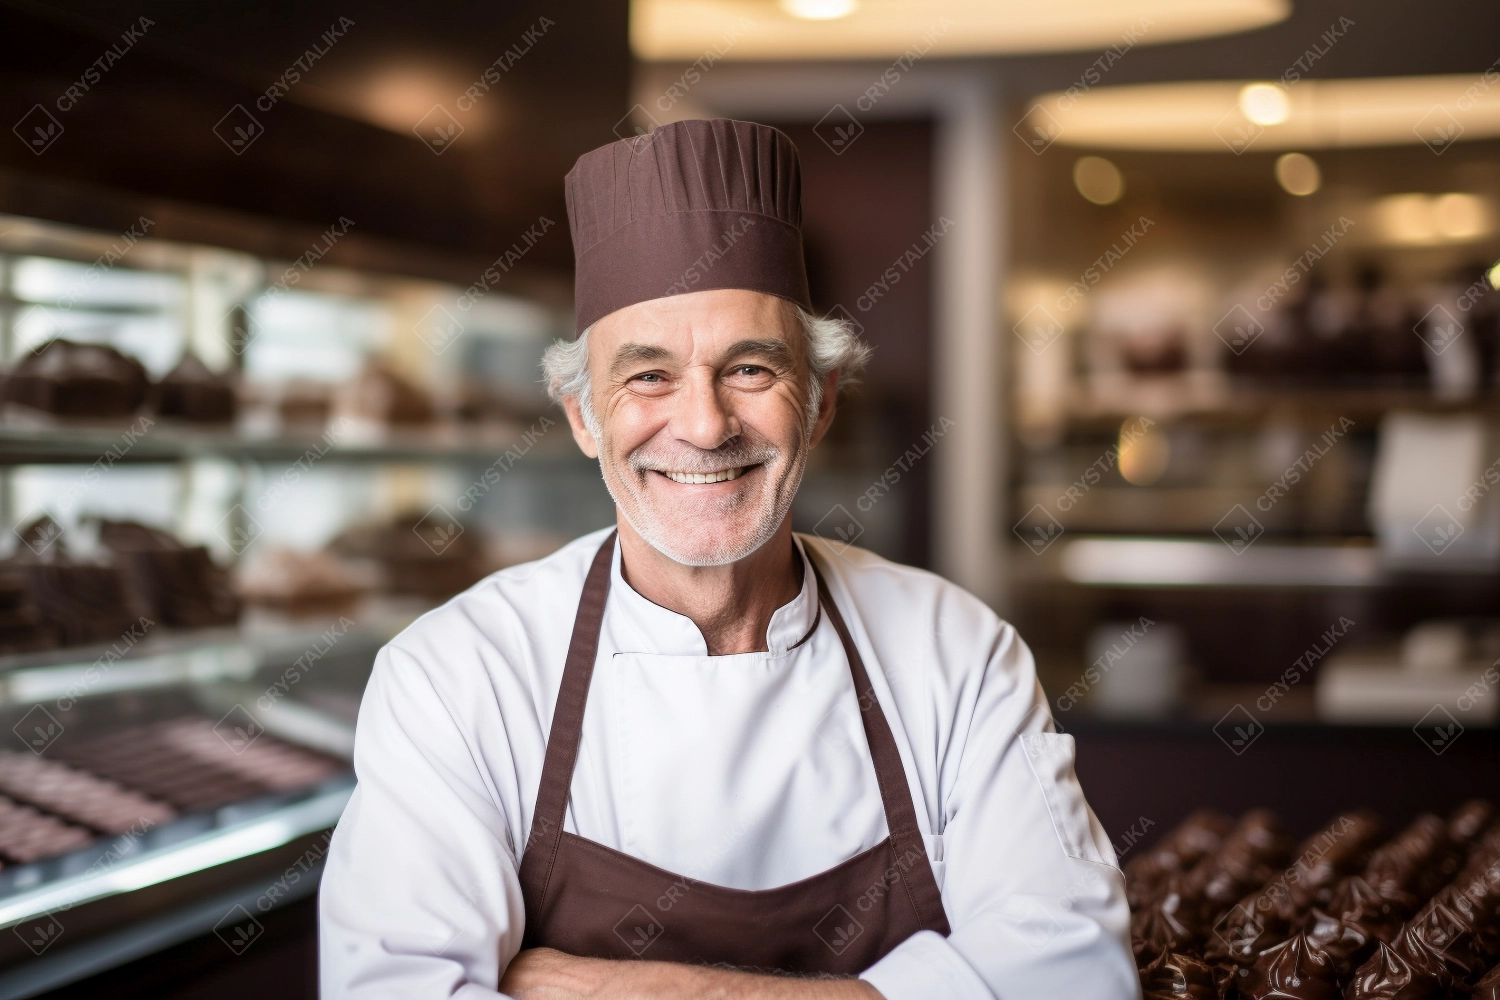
column 705, row 477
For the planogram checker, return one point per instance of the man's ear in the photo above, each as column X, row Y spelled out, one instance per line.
column 826, row 406
column 581, row 433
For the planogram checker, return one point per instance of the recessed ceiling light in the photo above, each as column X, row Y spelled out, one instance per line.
column 886, row 29
column 1098, row 180
column 1264, row 103
column 1298, row 173
column 819, row 10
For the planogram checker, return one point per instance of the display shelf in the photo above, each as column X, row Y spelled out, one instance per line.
column 1143, row 561
column 170, row 657
column 23, row 443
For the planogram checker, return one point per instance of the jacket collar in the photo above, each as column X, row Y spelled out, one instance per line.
column 647, row 627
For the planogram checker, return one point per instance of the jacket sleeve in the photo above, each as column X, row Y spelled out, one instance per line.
column 420, row 896
column 1035, row 900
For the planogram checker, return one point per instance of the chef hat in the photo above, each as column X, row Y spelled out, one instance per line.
column 691, row 206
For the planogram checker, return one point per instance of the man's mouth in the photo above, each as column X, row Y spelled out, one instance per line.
column 720, row 476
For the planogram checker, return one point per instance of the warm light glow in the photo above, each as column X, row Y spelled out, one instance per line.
column 1144, row 453
column 399, row 98
column 1264, row 103
column 1461, row 216
column 1207, row 116
column 1098, row 180
column 669, row 30
column 819, row 10
column 1493, row 275
column 1298, row 173
column 1425, row 220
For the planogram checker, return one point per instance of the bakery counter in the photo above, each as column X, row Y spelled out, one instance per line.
column 187, row 788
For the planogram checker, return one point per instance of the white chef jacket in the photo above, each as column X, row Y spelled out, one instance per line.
column 749, row 771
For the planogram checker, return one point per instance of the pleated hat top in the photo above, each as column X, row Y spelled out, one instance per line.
column 692, row 206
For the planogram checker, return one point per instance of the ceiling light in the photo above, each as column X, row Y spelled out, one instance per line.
column 1427, row 220
column 1298, row 173
column 1210, row 116
column 819, row 10
column 1098, row 180
column 1460, row 216
column 663, row 30
column 1264, row 103
column 1144, row 454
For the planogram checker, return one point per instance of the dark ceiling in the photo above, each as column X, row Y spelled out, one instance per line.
column 141, row 139
column 143, row 130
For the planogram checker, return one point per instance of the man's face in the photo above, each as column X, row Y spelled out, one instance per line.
column 701, row 402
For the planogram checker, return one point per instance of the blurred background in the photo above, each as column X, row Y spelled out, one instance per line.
column 1187, row 360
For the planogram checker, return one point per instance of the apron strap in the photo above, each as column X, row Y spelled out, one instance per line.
column 540, row 853
column 900, row 815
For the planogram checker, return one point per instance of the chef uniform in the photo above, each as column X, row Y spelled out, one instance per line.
column 551, row 759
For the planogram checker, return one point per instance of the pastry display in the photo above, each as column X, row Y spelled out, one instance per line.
column 1341, row 915
column 416, row 555
column 78, row 601
column 303, row 582
column 78, row 380
column 22, row 629
column 190, row 391
column 173, row 583
column 380, row 395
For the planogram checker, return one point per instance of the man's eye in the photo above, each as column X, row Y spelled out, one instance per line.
column 749, row 369
column 650, row 377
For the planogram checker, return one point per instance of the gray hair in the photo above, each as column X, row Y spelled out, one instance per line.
column 831, row 344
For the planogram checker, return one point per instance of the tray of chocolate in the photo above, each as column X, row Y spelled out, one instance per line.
column 140, row 777
column 1226, row 909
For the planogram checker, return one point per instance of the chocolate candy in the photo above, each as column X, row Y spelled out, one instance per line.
column 79, row 796
column 1294, row 970
column 1389, row 975
column 27, row 835
column 1488, row 987
column 1173, row 976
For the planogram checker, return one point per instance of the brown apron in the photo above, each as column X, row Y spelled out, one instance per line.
column 587, row 899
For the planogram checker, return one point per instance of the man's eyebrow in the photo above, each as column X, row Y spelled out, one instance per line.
column 777, row 351
column 633, row 354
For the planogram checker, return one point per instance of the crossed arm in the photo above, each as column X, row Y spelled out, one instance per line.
column 547, row 974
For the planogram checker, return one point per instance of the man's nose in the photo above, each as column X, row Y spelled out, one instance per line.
column 703, row 419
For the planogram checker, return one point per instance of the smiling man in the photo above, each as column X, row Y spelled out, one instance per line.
column 697, row 754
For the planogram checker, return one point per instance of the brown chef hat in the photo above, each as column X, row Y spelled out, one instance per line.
column 692, row 206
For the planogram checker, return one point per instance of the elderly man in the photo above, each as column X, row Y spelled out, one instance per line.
column 698, row 754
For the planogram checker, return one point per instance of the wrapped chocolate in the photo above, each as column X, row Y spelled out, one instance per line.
column 1294, row 970
column 1390, row 975
column 1174, row 976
